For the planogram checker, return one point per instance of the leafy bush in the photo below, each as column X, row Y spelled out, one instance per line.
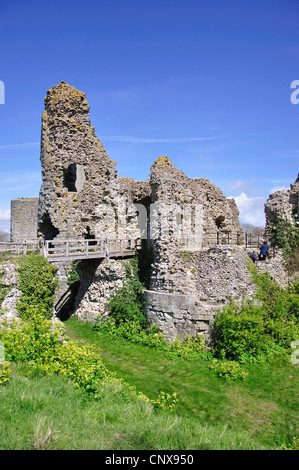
column 189, row 349
column 4, row 373
column 229, row 370
column 40, row 343
column 37, row 282
column 127, row 303
column 240, row 331
column 72, row 274
column 250, row 332
column 131, row 330
column 286, row 236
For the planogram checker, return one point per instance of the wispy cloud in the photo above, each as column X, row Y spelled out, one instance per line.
column 26, row 145
column 138, row 140
column 20, row 180
column 248, row 187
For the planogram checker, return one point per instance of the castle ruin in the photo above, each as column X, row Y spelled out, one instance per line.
column 192, row 229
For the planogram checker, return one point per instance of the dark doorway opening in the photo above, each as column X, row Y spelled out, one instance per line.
column 46, row 227
column 220, row 221
column 70, row 177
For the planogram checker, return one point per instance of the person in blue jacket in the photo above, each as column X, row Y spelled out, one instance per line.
column 263, row 251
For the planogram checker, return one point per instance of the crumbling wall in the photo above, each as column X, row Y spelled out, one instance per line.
column 99, row 281
column 283, row 204
column 10, row 285
column 188, row 215
column 202, row 283
column 80, row 193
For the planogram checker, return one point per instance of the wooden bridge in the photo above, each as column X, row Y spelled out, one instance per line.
column 68, row 250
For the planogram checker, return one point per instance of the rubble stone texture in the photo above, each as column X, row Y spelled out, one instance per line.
column 99, row 281
column 284, row 204
column 198, row 216
column 9, row 281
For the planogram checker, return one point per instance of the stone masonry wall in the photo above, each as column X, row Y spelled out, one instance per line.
column 284, row 204
column 99, row 280
column 23, row 219
column 203, row 282
column 178, row 315
column 80, row 193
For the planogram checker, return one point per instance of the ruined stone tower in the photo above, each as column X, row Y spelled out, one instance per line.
column 77, row 173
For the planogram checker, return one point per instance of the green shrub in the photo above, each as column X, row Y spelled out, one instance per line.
column 41, row 344
column 131, row 330
column 240, row 331
column 37, row 282
column 285, row 235
column 189, row 349
column 72, row 274
column 4, row 373
column 127, row 303
column 229, row 370
column 250, row 332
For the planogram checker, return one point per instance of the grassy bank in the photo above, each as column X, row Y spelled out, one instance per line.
column 94, row 389
column 47, row 412
column 263, row 408
column 39, row 411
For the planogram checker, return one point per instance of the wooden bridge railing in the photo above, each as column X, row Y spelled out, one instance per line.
column 60, row 250
column 20, row 248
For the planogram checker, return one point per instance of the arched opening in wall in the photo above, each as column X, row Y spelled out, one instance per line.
column 142, row 206
column 46, row 227
column 74, row 178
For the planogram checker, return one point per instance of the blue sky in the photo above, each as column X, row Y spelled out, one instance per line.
column 207, row 83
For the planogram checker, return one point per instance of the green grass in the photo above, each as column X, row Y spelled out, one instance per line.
column 48, row 412
column 264, row 407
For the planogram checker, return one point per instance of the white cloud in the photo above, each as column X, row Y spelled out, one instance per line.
column 251, row 209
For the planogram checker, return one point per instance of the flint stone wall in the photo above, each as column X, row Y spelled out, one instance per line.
column 284, row 204
column 186, row 297
column 9, row 281
column 99, row 281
